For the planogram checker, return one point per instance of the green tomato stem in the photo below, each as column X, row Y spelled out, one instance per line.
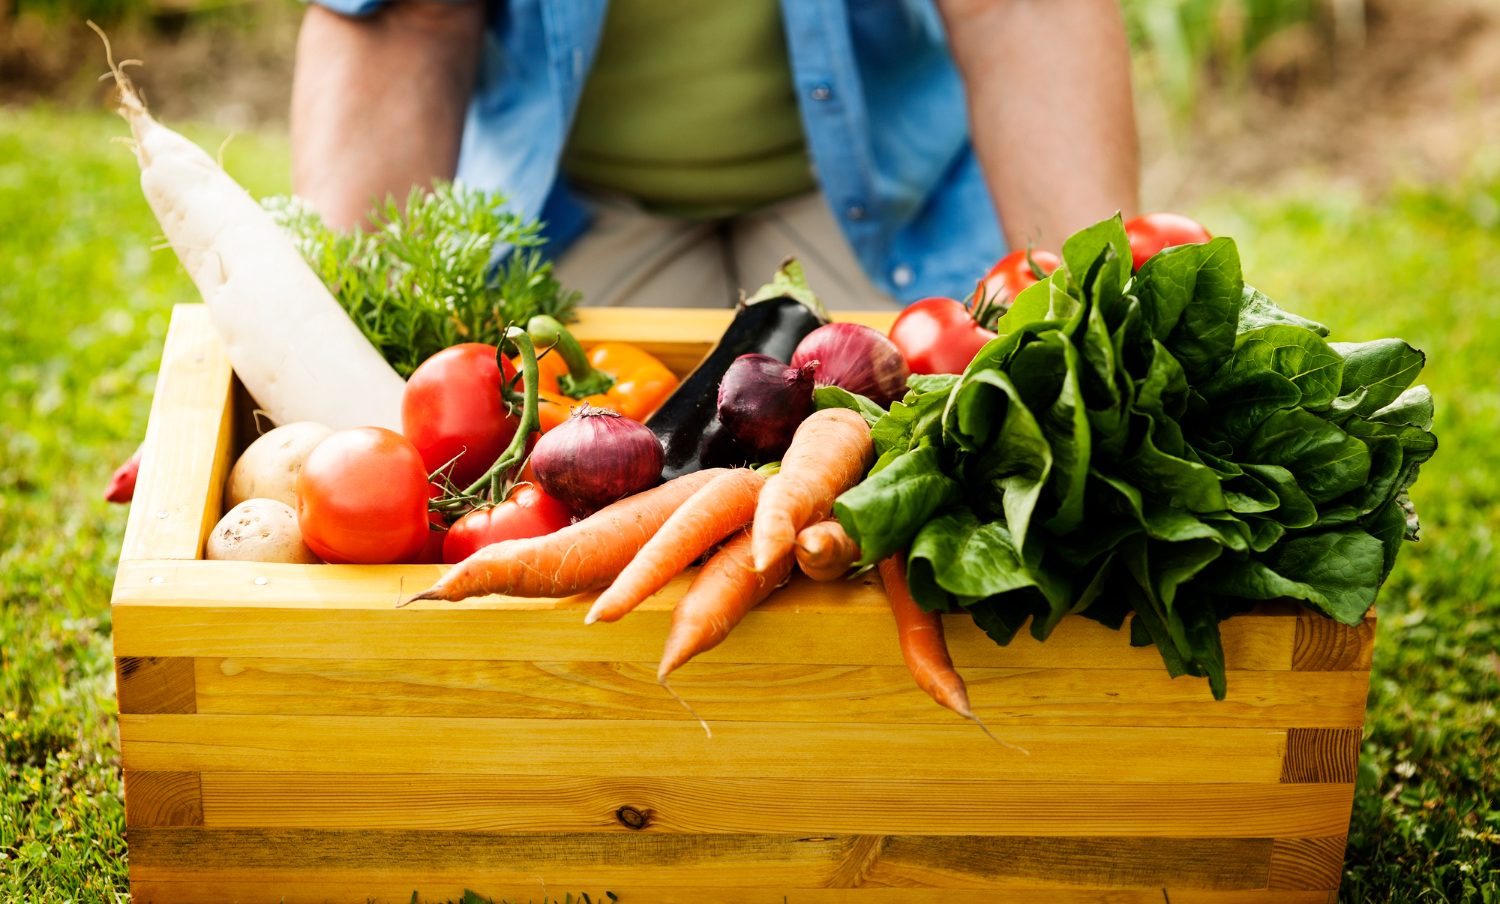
column 515, row 453
column 582, row 378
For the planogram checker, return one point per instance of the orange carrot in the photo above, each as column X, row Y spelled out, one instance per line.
column 925, row 650
column 725, row 589
column 716, row 510
column 829, row 453
column 581, row 556
column 825, row 552
column 922, row 643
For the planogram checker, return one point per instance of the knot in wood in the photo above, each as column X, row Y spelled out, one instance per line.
column 631, row 818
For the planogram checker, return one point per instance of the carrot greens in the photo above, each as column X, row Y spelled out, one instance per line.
column 454, row 266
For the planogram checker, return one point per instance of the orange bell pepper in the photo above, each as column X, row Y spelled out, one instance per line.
column 613, row 375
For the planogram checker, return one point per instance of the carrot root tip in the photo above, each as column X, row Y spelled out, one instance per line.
column 993, row 737
column 431, row 594
column 692, row 712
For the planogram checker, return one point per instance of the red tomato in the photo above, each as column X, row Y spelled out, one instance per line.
column 1150, row 233
column 362, row 497
column 453, row 407
column 528, row 512
column 938, row 336
column 1014, row 273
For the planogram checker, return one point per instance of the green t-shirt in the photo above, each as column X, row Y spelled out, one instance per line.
column 690, row 109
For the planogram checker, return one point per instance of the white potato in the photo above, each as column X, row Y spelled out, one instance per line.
column 268, row 468
column 259, row 530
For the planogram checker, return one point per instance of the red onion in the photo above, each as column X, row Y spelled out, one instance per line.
column 856, row 358
column 761, row 402
column 596, row 457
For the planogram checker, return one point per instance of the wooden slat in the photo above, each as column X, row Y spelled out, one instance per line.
column 185, row 456
column 211, row 743
column 1321, row 755
column 320, row 890
column 680, row 337
column 713, row 861
column 163, row 799
column 348, row 612
column 956, row 806
column 1307, row 863
column 150, row 684
column 1322, row 644
column 1221, row 863
column 765, row 692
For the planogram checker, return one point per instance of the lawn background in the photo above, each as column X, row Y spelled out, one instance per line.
column 84, row 302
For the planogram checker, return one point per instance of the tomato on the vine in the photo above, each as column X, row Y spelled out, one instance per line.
column 938, row 336
column 1150, row 233
column 453, row 406
column 528, row 512
column 362, row 498
column 1016, row 271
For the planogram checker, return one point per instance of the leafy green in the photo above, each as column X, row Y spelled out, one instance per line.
column 422, row 279
column 1169, row 443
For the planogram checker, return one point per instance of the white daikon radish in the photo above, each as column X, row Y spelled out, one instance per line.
column 291, row 344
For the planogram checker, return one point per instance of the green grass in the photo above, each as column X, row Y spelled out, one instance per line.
column 83, row 310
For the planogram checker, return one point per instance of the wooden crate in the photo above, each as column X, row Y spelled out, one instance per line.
column 288, row 734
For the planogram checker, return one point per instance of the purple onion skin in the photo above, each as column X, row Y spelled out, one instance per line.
column 857, row 358
column 761, row 402
column 596, row 457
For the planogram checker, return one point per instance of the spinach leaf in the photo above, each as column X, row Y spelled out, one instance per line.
column 1375, row 374
column 884, row 511
column 839, row 397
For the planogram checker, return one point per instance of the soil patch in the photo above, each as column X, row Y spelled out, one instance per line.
column 1418, row 100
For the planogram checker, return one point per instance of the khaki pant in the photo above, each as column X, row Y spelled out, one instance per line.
column 633, row 258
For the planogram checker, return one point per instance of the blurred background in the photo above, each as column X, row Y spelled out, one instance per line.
column 1352, row 147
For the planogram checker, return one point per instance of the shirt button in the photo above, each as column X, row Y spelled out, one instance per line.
column 821, row 92
column 903, row 276
column 855, row 211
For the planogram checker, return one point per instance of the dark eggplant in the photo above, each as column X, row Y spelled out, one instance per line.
column 771, row 322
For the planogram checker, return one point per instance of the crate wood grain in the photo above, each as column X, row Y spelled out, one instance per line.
column 288, row 733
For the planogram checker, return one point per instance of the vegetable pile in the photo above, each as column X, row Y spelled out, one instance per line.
column 1125, row 429
column 1169, row 443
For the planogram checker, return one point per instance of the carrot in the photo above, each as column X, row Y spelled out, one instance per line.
column 922, row 643
column 725, row 589
column 829, row 453
column 716, row 510
column 825, row 552
column 924, row 647
column 581, row 556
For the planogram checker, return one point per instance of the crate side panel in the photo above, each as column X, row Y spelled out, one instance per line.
column 732, row 861
column 349, row 612
column 956, row 806
column 771, row 692
column 185, row 455
column 163, row 799
column 1307, row 863
column 1219, row 863
column 151, row 684
column 680, row 337
column 1322, row 644
column 215, row 743
column 1321, row 755
column 318, row 889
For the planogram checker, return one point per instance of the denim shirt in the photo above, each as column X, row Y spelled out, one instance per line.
column 882, row 109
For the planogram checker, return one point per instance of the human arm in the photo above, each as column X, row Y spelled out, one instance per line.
column 1050, row 111
column 378, row 102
